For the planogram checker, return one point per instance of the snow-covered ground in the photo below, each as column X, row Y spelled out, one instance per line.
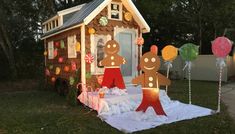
column 118, row 109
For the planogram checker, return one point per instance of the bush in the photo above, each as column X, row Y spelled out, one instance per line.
column 72, row 97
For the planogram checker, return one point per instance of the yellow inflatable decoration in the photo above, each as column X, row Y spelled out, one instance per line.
column 169, row 53
column 91, row 31
column 45, row 53
column 128, row 16
column 57, row 71
column 78, row 47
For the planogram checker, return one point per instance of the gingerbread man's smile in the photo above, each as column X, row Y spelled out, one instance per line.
column 113, row 52
column 149, row 68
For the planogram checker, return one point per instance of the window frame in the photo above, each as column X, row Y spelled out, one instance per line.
column 50, row 49
column 72, row 47
column 120, row 12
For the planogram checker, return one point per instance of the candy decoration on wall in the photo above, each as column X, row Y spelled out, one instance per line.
column 55, row 52
column 45, row 53
column 66, row 68
column 73, row 66
column 140, row 41
column 169, row 53
column 154, row 49
column 128, row 16
column 62, row 46
column 91, row 30
column 88, row 75
column 53, row 79
column 47, row 72
column 100, row 79
column 221, row 47
column 60, row 59
column 57, row 44
column 71, row 80
column 89, row 58
column 103, row 21
column 78, row 47
column 189, row 52
column 51, row 67
column 57, row 71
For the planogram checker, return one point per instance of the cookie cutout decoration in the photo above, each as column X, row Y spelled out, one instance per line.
column 112, row 61
column 149, row 80
column 103, row 21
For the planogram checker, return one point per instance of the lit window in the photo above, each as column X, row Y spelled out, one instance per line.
column 50, row 50
column 115, row 11
column 72, row 53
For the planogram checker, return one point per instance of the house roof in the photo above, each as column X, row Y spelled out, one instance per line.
column 89, row 11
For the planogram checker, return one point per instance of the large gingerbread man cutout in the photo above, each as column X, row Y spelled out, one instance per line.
column 150, row 80
column 112, row 61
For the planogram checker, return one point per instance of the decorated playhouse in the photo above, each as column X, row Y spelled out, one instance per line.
column 96, row 47
column 74, row 40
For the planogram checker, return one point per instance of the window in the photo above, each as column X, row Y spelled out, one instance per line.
column 97, row 49
column 115, row 11
column 51, row 50
column 72, row 53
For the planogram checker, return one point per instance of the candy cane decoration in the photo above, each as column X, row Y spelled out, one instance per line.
column 89, row 58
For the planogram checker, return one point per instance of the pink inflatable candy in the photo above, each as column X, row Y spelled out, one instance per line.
column 221, row 47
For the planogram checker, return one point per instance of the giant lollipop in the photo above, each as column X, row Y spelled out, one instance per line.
column 221, row 47
column 169, row 53
column 189, row 52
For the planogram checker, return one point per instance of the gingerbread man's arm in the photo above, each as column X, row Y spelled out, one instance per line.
column 162, row 80
column 104, row 62
column 138, row 80
column 120, row 60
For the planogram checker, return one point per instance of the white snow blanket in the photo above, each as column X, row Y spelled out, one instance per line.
column 118, row 110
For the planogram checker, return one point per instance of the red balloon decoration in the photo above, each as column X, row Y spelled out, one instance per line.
column 221, row 47
column 73, row 66
column 154, row 49
column 55, row 52
column 61, row 59
column 57, row 44
column 47, row 72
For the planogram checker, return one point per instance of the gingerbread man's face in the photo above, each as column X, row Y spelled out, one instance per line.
column 149, row 62
column 111, row 47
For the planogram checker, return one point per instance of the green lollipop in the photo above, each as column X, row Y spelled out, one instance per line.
column 189, row 51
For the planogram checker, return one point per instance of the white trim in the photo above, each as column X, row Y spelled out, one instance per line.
column 134, row 32
column 95, row 12
column 71, row 45
column 76, row 26
column 70, row 10
column 94, row 69
column 120, row 12
column 50, row 49
column 48, row 20
column 83, row 53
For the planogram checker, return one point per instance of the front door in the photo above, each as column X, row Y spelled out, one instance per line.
column 126, row 39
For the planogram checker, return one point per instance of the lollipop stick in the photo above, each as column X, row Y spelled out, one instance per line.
column 189, row 82
column 219, row 92
column 167, row 75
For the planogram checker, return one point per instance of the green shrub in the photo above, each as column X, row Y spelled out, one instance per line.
column 72, row 97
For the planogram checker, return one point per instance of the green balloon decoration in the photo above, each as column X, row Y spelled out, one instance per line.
column 71, row 80
column 88, row 75
column 189, row 51
column 62, row 46
column 51, row 67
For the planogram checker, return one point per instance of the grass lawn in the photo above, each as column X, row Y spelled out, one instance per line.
column 45, row 112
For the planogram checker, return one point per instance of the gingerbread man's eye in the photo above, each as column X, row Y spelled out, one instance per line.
column 153, row 59
column 146, row 59
column 108, row 46
column 114, row 45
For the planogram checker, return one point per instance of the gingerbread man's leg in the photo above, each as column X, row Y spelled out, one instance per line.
column 118, row 80
column 108, row 78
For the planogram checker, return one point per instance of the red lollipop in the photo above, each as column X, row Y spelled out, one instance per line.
column 154, row 49
column 221, row 47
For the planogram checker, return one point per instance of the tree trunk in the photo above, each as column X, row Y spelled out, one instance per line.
column 8, row 51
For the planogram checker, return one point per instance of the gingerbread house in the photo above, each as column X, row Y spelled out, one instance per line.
column 74, row 39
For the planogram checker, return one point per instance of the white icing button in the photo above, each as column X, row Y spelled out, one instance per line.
column 150, row 84
column 150, row 78
column 112, row 57
column 112, row 63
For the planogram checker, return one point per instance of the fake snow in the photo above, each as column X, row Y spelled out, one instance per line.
column 117, row 108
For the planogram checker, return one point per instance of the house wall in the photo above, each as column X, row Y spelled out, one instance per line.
column 104, row 30
column 63, row 53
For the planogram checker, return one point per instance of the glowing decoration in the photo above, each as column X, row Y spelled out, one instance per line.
column 101, row 94
column 73, row 66
column 189, row 51
column 128, row 16
column 100, row 79
column 78, row 47
column 221, row 47
column 53, row 79
column 51, row 67
column 62, row 46
column 45, row 53
column 91, row 31
column 57, row 44
column 71, row 80
column 89, row 58
column 169, row 53
column 103, row 21
column 60, row 59
column 66, row 68
column 88, row 75
column 57, row 71
column 154, row 49
column 140, row 41
column 47, row 72
column 55, row 53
